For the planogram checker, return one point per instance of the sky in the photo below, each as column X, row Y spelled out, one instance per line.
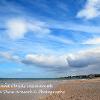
column 49, row 38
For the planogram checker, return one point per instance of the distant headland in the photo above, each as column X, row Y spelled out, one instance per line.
column 90, row 76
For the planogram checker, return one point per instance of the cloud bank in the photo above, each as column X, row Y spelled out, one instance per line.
column 82, row 59
column 45, row 60
column 85, row 58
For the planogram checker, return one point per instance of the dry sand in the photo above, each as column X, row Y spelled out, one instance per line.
column 74, row 90
column 78, row 90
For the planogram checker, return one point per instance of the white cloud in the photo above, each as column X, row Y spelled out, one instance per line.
column 92, row 41
column 16, row 28
column 81, row 59
column 91, row 10
column 84, row 58
column 46, row 60
column 9, row 56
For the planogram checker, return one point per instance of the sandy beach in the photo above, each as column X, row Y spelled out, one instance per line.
column 78, row 90
column 87, row 89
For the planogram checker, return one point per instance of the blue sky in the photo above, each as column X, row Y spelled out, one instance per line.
column 49, row 38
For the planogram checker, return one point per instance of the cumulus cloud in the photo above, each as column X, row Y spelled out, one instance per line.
column 80, row 59
column 17, row 28
column 91, row 10
column 45, row 60
column 84, row 58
